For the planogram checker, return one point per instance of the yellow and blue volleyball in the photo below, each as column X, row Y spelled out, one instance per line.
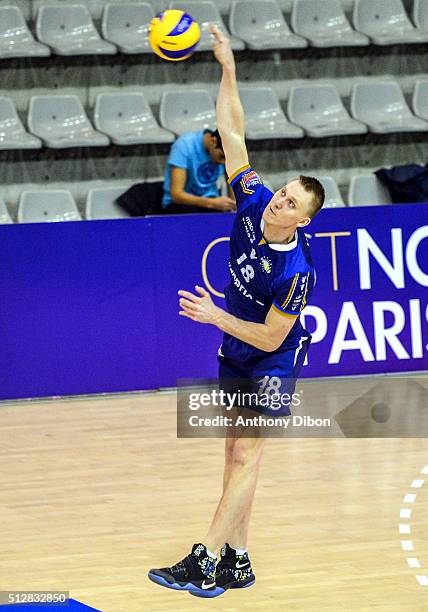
column 173, row 35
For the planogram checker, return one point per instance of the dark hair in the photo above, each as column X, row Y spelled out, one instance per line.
column 217, row 136
column 312, row 185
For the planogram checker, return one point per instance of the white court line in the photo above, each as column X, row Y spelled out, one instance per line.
column 403, row 528
column 409, row 498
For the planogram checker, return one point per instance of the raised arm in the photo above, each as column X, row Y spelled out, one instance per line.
column 230, row 114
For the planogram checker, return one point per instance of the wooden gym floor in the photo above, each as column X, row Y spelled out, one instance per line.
column 94, row 492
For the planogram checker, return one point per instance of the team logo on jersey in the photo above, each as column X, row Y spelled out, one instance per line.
column 266, row 264
column 248, row 180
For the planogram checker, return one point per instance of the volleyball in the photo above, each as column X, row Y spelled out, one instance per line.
column 173, row 35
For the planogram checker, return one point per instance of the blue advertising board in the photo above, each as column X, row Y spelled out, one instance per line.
column 92, row 306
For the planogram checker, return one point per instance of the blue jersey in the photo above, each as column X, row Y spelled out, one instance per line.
column 264, row 276
column 188, row 152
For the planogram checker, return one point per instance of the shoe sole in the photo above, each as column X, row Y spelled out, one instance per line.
column 241, row 586
column 191, row 588
column 222, row 590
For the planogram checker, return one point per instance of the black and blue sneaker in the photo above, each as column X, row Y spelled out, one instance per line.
column 233, row 571
column 195, row 573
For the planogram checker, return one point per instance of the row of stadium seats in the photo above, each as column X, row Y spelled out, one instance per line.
column 256, row 24
column 126, row 118
column 59, row 205
column 96, row 7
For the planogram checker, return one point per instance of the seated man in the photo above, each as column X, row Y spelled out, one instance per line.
column 195, row 163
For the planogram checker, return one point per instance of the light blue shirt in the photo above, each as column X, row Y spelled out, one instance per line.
column 188, row 152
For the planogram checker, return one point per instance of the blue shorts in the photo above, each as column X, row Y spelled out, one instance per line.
column 272, row 380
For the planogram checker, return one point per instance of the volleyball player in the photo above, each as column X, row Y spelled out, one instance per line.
column 272, row 277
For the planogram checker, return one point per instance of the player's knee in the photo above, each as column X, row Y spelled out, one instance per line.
column 246, row 453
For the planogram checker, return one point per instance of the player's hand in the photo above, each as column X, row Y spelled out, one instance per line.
column 200, row 307
column 223, row 203
column 221, row 46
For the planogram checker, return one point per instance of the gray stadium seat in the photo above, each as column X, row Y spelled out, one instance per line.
column 187, row 111
column 206, row 12
column 127, row 25
column 333, row 199
column 276, row 180
column 224, row 6
column 420, row 99
column 69, row 30
column 384, row 109
column 264, row 117
column 95, row 7
column 16, row 40
column 127, row 119
column 5, row 217
column 320, row 111
column 23, row 5
column 420, row 14
column 42, row 206
column 101, row 203
column 386, row 22
column 61, row 122
column 261, row 25
column 12, row 132
column 325, row 24
column 367, row 190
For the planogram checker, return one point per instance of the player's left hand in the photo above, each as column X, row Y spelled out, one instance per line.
column 200, row 307
column 221, row 46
